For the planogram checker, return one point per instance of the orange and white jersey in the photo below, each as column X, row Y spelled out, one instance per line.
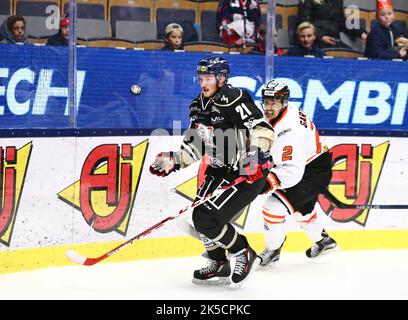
column 296, row 144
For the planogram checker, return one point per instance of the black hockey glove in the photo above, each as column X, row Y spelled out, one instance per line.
column 165, row 163
column 256, row 164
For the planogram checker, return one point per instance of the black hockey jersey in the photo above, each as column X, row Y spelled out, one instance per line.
column 223, row 127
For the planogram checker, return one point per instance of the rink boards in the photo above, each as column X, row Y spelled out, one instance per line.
column 93, row 193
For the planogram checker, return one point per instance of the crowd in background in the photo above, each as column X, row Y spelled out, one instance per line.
column 320, row 25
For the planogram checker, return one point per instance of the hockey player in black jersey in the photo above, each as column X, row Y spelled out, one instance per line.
column 226, row 125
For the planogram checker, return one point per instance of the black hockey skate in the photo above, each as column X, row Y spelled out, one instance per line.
column 269, row 257
column 216, row 273
column 326, row 245
column 246, row 262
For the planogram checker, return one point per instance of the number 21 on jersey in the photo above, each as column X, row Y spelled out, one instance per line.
column 243, row 111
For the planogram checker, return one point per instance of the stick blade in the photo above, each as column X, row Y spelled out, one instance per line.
column 75, row 256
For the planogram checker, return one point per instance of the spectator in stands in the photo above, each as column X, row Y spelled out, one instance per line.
column 261, row 41
column 329, row 20
column 173, row 38
column 306, row 36
column 386, row 41
column 12, row 30
column 238, row 21
column 61, row 38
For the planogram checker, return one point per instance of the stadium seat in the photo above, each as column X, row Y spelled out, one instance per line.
column 342, row 53
column 367, row 5
column 135, row 30
column 279, row 13
column 205, row 46
column 292, row 25
column 6, row 7
column 286, row 16
column 400, row 5
column 289, row 13
column 109, row 43
column 362, row 15
column 241, row 50
column 353, row 42
column 181, row 11
column 36, row 8
column 283, row 39
column 207, row 12
column 287, row 3
column 401, row 24
column 150, row 45
column 136, row 10
column 278, row 20
column 401, row 18
column 2, row 18
column 290, row 18
column 39, row 41
column 93, row 29
column 88, row 9
column 36, row 27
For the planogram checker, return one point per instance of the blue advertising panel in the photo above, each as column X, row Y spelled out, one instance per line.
column 337, row 93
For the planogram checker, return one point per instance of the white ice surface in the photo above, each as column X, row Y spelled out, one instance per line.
column 379, row 274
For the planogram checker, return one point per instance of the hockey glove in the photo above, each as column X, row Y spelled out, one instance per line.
column 272, row 183
column 254, row 164
column 165, row 163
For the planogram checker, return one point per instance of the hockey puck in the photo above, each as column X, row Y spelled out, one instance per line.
column 135, row 89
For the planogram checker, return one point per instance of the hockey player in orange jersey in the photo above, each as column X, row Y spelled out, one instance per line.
column 302, row 170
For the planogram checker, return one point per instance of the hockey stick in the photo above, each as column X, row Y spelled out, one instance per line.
column 74, row 256
column 342, row 205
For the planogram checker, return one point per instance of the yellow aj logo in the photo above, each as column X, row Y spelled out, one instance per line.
column 203, row 68
column 13, row 170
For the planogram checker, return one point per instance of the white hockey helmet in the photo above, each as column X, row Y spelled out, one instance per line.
column 277, row 90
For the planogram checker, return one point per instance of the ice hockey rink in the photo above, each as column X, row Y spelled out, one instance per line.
column 350, row 275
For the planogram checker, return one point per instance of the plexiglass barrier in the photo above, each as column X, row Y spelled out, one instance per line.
column 123, row 45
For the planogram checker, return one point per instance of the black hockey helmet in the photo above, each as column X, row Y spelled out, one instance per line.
column 277, row 90
column 216, row 65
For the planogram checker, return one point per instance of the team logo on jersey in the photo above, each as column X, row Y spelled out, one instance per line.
column 250, row 124
column 215, row 162
column 215, row 120
column 356, row 173
column 13, row 170
column 107, row 188
column 195, row 109
column 215, row 109
column 206, row 134
column 283, row 132
column 224, row 99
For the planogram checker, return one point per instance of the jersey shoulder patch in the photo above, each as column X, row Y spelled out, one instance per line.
column 228, row 96
column 195, row 106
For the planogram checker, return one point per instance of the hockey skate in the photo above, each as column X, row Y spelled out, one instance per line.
column 326, row 245
column 216, row 273
column 269, row 257
column 246, row 262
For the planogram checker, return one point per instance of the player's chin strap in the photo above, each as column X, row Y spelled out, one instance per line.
column 78, row 258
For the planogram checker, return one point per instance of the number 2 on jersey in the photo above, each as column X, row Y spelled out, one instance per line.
column 287, row 153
